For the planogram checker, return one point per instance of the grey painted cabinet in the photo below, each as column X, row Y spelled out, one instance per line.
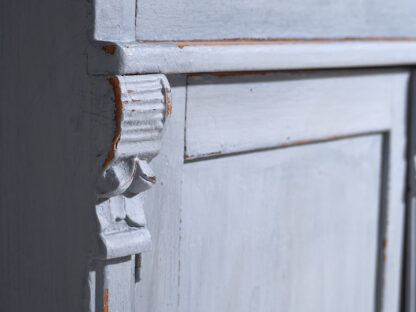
column 285, row 192
column 288, row 183
column 198, row 156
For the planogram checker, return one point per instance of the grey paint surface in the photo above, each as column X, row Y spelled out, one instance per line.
column 242, row 112
column 114, row 20
column 293, row 228
column 217, row 19
column 46, row 204
column 392, row 106
column 168, row 57
column 158, row 289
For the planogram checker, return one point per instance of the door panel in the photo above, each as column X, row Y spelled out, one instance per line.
column 292, row 229
column 235, row 113
column 293, row 191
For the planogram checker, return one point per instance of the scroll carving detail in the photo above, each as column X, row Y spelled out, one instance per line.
column 142, row 105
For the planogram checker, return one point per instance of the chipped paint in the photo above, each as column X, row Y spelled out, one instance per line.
column 316, row 39
column 149, row 178
column 262, row 41
column 192, row 158
column 213, row 154
column 110, row 48
column 117, row 118
column 105, row 300
column 168, row 101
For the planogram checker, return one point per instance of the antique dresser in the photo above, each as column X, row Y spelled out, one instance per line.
column 200, row 156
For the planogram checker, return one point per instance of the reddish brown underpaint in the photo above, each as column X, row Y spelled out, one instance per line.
column 254, row 41
column 330, row 138
column 105, row 300
column 117, row 118
column 150, row 178
column 286, row 39
column 168, row 100
column 109, row 48
column 219, row 153
column 283, row 144
column 274, row 71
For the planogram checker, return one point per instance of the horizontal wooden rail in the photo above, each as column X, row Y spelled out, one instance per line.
column 222, row 56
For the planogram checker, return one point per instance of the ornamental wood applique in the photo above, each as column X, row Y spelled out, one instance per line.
column 140, row 107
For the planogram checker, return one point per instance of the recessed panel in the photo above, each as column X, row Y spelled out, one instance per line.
column 292, row 229
column 234, row 113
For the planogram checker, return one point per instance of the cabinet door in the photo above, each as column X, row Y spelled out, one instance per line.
column 292, row 195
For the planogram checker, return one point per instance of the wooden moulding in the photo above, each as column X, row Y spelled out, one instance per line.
column 136, row 113
column 250, row 55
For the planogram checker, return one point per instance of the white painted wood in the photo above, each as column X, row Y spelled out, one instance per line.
column 392, row 185
column 238, row 113
column 48, row 145
column 291, row 229
column 134, row 116
column 114, row 20
column 188, row 57
column 132, row 111
column 113, row 292
column 217, row 19
column 158, row 288
column 120, row 295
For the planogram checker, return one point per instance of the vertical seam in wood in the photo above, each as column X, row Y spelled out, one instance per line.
column 135, row 17
column 382, row 223
column 408, row 283
column 180, row 208
column 186, row 115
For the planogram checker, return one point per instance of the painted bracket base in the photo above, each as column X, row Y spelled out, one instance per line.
column 112, row 284
column 116, row 267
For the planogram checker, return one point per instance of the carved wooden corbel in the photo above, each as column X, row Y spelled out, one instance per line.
column 135, row 113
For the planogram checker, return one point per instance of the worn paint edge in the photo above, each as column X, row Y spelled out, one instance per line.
column 117, row 118
column 105, row 309
column 219, row 154
column 313, row 39
column 168, row 58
